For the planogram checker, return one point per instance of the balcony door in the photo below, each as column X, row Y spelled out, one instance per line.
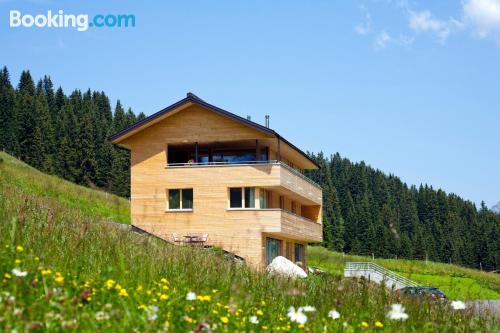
column 273, row 249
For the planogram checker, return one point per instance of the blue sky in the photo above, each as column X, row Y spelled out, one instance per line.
column 410, row 87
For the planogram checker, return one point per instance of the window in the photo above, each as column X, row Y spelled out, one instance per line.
column 299, row 253
column 294, row 207
column 180, row 199
column 282, row 202
column 249, row 197
column 263, row 199
column 242, row 197
column 273, row 249
column 235, row 197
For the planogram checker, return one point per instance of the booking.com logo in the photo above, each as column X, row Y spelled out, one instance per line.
column 61, row 20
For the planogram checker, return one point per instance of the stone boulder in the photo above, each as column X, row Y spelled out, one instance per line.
column 282, row 266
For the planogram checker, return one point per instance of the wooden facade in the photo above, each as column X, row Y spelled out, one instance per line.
column 286, row 206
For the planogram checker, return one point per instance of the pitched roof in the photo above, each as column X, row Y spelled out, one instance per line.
column 192, row 98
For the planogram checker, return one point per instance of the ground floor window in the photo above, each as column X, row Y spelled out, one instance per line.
column 273, row 249
column 179, row 199
column 299, row 253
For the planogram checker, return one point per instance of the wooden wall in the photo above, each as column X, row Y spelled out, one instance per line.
column 238, row 231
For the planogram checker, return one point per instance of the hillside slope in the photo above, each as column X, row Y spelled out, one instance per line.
column 63, row 268
column 455, row 281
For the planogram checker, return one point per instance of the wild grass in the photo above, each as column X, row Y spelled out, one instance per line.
column 63, row 269
column 455, row 281
column 64, row 193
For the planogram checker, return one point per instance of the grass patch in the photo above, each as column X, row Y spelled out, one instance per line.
column 455, row 281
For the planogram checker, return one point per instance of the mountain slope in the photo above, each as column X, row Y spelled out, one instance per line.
column 64, row 269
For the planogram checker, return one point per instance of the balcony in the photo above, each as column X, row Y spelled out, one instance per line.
column 299, row 227
column 265, row 174
column 280, row 223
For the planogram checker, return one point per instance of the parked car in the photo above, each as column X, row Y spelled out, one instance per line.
column 424, row 292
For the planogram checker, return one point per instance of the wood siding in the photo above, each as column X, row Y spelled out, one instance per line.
column 238, row 231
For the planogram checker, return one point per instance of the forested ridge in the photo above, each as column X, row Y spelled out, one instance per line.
column 365, row 211
column 65, row 135
column 368, row 212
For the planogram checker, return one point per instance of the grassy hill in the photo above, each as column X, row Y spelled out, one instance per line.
column 455, row 281
column 63, row 268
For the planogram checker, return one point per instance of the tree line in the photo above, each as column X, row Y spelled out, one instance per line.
column 65, row 135
column 364, row 210
column 368, row 212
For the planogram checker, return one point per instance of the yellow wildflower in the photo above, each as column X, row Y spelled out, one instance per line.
column 259, row 312
column 46, row 272
column 59, row 278
column 163, row 280
column 123, row 293
column 188, row 319
column 215, row 312
column 139, row 289
column 214, row 291
column 364, row 324
column 301, row 325
column 118, row 287
column 163, row 297
column 18, row 261
column 19, row 248
column 148, row 292
column 379, row 324
column 7, row 275
column 141, row 307
column 165, row 287
column 225, row 320
column 204, row 298
column 110, row 283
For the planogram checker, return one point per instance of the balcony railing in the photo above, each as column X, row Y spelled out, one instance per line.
column 239, row 163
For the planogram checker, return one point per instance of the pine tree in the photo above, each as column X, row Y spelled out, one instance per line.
column 8, row 120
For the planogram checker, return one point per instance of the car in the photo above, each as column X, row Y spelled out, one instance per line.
column 424, row 292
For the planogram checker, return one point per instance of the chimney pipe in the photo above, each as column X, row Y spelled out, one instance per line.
column 267, row 120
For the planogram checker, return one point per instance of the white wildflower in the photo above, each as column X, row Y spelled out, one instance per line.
column 19, row 272
column 334, row 314
column 101, row 315
column 397, row 312
column 191, row 296
column 152, row 312
column 253, row 320
column 307, row 308
column 297, row 315
column 458, row 305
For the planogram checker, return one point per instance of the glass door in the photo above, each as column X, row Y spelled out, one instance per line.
column 273, row 247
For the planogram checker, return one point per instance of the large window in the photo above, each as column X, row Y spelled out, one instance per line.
column 242, row 197
column 299, row 253
column 180, row 199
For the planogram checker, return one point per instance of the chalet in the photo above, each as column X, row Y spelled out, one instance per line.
column 203, row 174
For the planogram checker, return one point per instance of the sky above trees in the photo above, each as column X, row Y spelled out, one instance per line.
column 409, row 87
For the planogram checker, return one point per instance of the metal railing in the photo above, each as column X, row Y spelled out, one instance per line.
column 370, row 266
column 239, row 163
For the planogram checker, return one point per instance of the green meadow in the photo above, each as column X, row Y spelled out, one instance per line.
column 64, row 268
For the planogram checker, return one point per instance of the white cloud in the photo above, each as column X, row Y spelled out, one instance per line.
column 424, row 22
column 382, row 39
column 484, row 17
column 364, row 27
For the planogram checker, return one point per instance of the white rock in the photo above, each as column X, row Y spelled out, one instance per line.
column 282, row 266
